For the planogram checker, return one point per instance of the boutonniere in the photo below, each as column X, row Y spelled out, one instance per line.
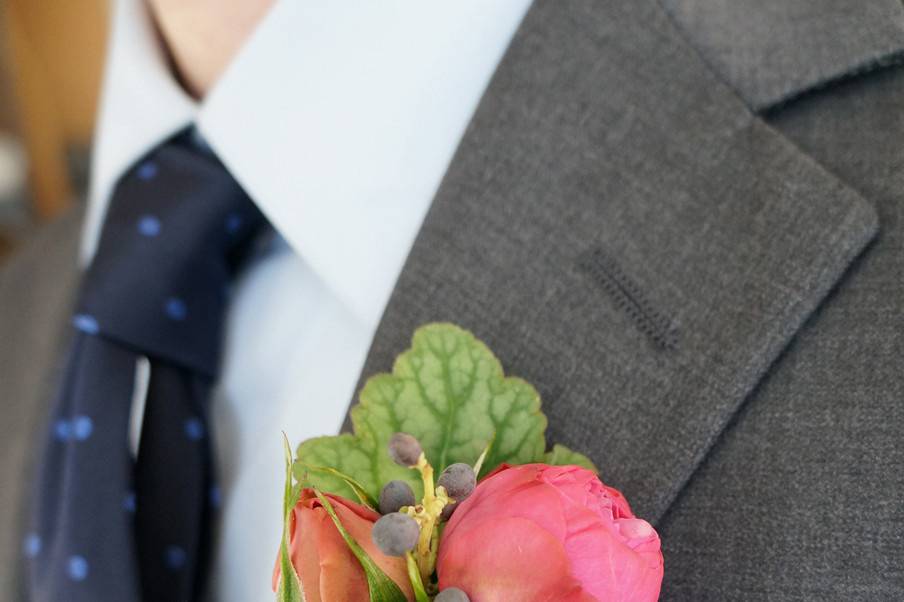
column 446, row 491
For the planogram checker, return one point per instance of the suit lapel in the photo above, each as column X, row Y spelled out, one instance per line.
column 37, row 286
column 625, row 234
column 773, row 51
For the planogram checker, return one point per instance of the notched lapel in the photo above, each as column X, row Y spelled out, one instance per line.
column 603, row 135
column 772, row 51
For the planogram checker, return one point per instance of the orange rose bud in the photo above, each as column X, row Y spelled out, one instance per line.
column 326, row 566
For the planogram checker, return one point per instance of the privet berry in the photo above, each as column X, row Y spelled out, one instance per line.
column 459, row 481
column 404, row 449
column 395, row 533
column 448, row 509
column 394, row 495
column 452, row 594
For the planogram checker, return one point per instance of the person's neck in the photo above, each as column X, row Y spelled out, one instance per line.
column 203, row 36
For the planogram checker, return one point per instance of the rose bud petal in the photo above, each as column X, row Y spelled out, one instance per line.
column 538, row 532
column 327, row 568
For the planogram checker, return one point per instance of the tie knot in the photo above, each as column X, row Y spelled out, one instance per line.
column 175, row 230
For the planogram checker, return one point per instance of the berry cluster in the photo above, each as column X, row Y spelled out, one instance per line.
column 412, row 529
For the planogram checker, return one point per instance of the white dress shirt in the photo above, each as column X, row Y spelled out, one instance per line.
column 339, row 119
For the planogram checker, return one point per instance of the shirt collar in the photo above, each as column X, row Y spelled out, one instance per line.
column 322, row 118
column 141, row 105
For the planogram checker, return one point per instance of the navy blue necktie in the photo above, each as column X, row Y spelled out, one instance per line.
column 108, row 526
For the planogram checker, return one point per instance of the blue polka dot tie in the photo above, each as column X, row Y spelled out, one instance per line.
column 107, row 525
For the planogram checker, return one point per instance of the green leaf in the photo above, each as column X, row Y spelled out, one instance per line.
column 562, row 456
column 289, row 588
column 450, row 392
column 380, row 586
column 303, row 473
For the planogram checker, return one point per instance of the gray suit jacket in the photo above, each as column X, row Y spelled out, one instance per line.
column 681, row 220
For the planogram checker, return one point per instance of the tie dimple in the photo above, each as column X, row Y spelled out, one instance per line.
column 166, row 255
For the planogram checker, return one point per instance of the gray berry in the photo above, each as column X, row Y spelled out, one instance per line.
column 448, row 509
column 452, row 594
column 459, row 480
column 394, row 495
column 396, row 533
column 404, row 449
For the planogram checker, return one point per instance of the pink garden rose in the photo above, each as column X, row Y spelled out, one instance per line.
column 538, row 533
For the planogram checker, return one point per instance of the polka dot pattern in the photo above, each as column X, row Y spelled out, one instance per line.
column 31, row 547
column 149, row 226
column 176, row 309
column 77, row 568
column 78, row 428
column 86, row 323
column 194, row 429
column 233, row 223
column 82, row 427
column 174, row 232
column 62, row 430
column 175, row 558
column 215, row 497
column 147, row 171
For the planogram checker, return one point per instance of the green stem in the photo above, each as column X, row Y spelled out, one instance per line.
column 414, row 574
column 425, row 560
column 423, row 547
column 427, row 477
column 434, row 547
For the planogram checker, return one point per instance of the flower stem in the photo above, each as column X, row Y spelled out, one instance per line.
column 432, row 508
column 434, row 546
column 427, row 477
column 420, row 595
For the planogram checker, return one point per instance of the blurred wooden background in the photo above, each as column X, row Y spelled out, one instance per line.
column 53, row 59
